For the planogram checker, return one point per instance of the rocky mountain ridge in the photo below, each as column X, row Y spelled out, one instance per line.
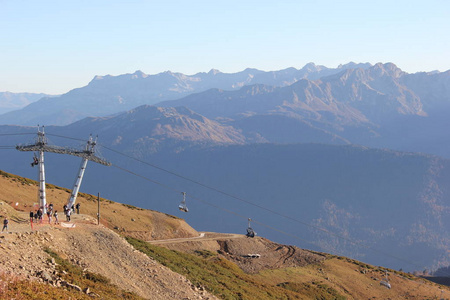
column 108, row 94
column 380, row 106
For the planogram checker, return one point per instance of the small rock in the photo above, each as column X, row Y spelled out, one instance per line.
column 73, row 286
column 45, row 275
column 92, row 294
column 86, row 291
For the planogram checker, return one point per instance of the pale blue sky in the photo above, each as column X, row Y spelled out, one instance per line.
column 55, row 46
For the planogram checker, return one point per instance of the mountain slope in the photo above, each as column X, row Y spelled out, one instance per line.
column 150, row 129
column 13, row 101
column 380, row 106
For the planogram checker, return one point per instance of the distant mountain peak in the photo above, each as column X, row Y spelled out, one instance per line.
column 389, row 69
column 214, row 72
column 310, row 67
column 353, row 65
column 138, row 74
column 97, row 77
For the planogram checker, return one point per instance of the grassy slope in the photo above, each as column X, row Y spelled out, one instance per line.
column 218, row 275
column 335, row 278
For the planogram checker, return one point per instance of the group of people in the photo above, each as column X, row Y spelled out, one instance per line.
column 38, row 214
column 68, row 211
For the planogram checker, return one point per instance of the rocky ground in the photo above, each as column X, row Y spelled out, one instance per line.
column 94, row 248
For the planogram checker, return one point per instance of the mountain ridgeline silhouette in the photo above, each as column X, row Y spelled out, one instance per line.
column 106, row 95
column 13, row 101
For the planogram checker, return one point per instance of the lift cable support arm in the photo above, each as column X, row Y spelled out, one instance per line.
column 87, row 154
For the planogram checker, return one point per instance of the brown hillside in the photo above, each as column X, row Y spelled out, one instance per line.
column 126, row 219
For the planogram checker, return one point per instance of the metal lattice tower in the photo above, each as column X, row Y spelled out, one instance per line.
column 42, row 146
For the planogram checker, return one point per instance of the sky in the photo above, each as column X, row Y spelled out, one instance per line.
column 55, row 46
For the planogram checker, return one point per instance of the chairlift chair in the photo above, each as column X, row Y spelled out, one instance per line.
column 35, row 160
column 182, row 205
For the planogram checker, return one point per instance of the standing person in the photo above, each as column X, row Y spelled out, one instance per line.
column 5, row 224
column 78, row 208
column 31, row 216
column 68, row 212
column 56, row 217
column 49, row 215
column 40, row 213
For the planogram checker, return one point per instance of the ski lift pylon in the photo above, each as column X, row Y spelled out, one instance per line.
column 385, row 282
column 182, row 205
column 250, row 232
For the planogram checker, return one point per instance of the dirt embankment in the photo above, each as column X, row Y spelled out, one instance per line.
column 94, row 248
column 250, row 254
column 254, row 255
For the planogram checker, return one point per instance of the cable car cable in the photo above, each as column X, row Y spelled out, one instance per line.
column 224, row 193
column 226, row 210
column 66, row 137
column 268, row 226
column 26, row 133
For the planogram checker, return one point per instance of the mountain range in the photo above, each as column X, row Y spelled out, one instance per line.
column 14, row 101
column 380, row 106
column 377, row 106
column 106, row 95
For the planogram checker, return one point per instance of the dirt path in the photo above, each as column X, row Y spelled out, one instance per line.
column 94, row 248
column 203, row 237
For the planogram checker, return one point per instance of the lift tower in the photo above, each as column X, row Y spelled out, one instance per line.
column 87, row 154
column 41, row 146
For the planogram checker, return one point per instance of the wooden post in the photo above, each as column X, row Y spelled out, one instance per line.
column 98, row 209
